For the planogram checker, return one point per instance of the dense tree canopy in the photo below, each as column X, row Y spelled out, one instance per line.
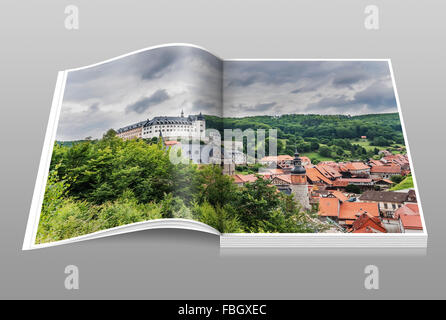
column 386, row 125
column 99, row 184
column 331, row 137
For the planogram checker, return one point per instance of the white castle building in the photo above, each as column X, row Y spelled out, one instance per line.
column 192, row 127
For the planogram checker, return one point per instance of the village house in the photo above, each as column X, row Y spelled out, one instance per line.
column 315, row 177
column 362, row 183
column 409, row 218
column 382, row 183
column 358, row 169
column 345, row 213
column 241, row 179
column 388, row 201
column 367, row 223
column 385, row 171
column 401, row 160
column 329, row 171
column 374, row 162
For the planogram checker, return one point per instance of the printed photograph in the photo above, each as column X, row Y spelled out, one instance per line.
column 244, row 146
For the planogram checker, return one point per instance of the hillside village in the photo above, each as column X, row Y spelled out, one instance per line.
column 352, row 196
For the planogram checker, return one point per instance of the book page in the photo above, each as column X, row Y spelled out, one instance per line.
column 328, row 137
column 130, row 135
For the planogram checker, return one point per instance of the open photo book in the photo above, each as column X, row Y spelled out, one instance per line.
column 262, row 153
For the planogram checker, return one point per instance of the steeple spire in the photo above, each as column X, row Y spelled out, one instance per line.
column 182, row 113
column 297, row 162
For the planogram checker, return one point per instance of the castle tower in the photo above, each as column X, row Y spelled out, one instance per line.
column 299, row 187
column 201, row 125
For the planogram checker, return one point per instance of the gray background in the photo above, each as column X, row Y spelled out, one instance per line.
column 183, row 264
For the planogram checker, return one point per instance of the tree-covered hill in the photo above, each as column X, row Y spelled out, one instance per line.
column 385, row 125
column 324, row 135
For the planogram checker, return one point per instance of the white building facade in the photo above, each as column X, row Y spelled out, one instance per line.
column 193, row 126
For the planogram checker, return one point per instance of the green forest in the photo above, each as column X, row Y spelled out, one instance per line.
column 325, row 137
column 99, row 184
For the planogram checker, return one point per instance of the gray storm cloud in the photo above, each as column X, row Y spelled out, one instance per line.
column 144, row 104
column 157, row 82
column 324, row 87
column 166, row 80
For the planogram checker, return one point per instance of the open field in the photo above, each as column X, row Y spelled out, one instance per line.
column 405, row 184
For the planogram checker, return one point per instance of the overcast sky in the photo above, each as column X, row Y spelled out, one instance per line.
column 163, row 81
column 158, row 82
column 328, row 87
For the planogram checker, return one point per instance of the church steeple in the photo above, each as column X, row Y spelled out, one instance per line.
column 182, row 113
column 299, row 186
column 297, row 163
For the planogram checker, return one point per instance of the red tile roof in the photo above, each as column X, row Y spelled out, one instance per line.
column 328, row 207
column 284, row 177
column 315, row 176
column 413, row 207
column 170, row 142
column 398, row 159
column 243, row 178
column 339, row 195
column 410, row 209
column 328, row 171
column 368, row 224
column 340, row 183
column 386, row 169
column 375, row 162
column 353, row 166
column 351, row 210
column 411, row 222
